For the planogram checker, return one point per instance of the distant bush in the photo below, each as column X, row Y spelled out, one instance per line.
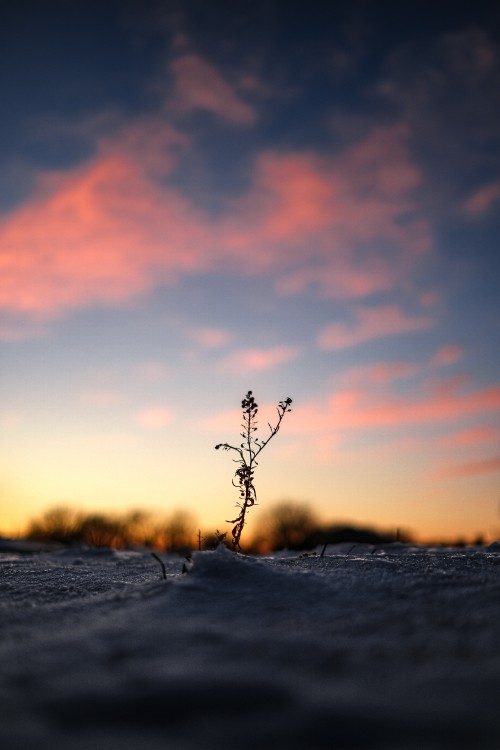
column 119, row 531
column 294, row 526
column 339, row 534
column 177, row 532
column 288, row 525
column 58, row 524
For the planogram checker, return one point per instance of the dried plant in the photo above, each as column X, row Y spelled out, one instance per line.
column 248, row 451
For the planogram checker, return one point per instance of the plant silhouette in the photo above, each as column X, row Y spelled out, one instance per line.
column 248, row 451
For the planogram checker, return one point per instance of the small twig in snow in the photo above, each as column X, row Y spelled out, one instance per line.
column 163, row 569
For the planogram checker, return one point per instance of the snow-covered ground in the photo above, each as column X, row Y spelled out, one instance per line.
column 394, row 648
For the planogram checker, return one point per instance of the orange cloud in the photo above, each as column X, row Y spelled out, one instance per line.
column 198, row 85
column 252, row 360
column 370, row 323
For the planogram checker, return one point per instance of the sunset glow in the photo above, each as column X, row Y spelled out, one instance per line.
column 194, row 209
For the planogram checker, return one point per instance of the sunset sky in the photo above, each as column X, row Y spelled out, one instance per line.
column 297, row 200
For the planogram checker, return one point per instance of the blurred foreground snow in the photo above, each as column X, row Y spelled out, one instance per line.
column 397, row 650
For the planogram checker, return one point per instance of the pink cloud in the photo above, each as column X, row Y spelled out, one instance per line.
column 327, row 425
column 355, row 409
column 370, row 323
column 210, row 338
column 252, row 360
column 483, row 200
column 321, row 219
column 101, row 233
column 447, row 355
column 474, row 436
column 380, row 373
column 113, row 228
column 470, row 469
column 198, row 85
column 438, row 408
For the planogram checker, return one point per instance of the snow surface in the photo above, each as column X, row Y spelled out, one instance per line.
column 392, row 648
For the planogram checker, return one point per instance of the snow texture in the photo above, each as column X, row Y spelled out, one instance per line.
column 394, row 648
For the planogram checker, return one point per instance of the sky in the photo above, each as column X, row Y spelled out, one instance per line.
column 198, row 199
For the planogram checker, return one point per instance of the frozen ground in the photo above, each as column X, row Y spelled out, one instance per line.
column 397, row 650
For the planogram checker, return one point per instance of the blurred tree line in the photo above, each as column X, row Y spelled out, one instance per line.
column 119, row 531
column 294, row 526
column 286, row 525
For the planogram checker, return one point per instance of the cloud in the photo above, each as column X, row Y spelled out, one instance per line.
column 483, row 200
column 154, row 418
column 113, row 228
column 356, row 408
column 330, row 424
column 99, row 234
column 210, row 338
column 345, row 225
column 370, row 323
column 253, row 360
column 447, row 355
column 199, row 86
column 380, row 373
column 444, row 406
column 470, row 469
column 473, row 436
column 386, row 373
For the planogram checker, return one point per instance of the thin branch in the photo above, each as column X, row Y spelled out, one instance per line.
column 163, row 569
